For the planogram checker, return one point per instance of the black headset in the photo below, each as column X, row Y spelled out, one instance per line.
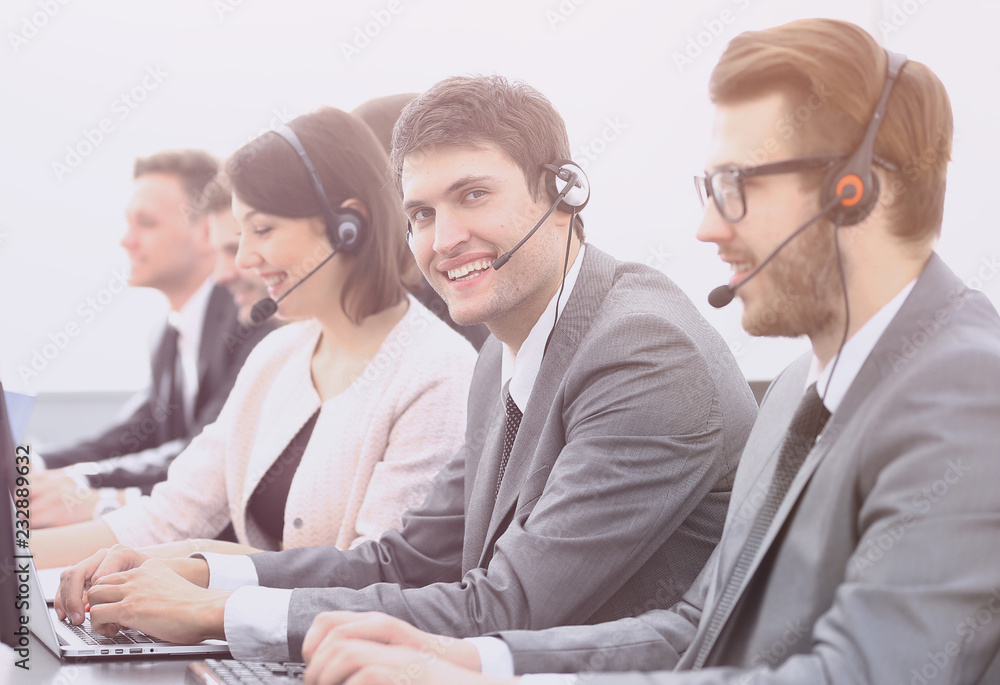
column 345, row 227
column 568, row 188
column 572, row 197
column 852, row 182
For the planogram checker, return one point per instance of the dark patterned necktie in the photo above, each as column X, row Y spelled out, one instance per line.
column 806, row 425
column 510, row 432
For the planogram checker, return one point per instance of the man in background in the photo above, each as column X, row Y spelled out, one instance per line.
column 194, row 361
column 244, row 285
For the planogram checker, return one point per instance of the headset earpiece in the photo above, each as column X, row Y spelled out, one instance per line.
column 561, row 172
column 349, row 229
column 857, row 198
column 854, row 181
column 345, row 227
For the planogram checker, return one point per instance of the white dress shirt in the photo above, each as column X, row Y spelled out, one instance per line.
column 256, row 622
column 189, row 322
column 494, row 654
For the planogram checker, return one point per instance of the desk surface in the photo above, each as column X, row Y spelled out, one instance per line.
column 47, row 670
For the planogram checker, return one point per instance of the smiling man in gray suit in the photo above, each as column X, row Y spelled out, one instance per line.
column 870, row 555
column 604, row 425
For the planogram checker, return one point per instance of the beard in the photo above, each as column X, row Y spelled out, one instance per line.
column 802, row 294
column 521, row 288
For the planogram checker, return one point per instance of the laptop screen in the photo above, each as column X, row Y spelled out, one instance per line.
column 8, row 576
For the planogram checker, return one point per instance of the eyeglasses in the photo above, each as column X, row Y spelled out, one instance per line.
column 724, row 185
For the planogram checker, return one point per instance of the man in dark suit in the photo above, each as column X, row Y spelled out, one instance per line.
column 868, row 554
column 604, row 420
column 194, row 362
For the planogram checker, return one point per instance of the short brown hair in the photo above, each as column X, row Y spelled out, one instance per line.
column 473, row 111
column 381, row 115
column 269, row 175
column 217, row 196
column 843, row 65
column 194, row 168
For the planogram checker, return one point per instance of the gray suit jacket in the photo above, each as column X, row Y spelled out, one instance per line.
column 882, row 565
column 613, row 498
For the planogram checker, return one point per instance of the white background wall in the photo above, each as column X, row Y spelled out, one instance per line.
column 230, row 69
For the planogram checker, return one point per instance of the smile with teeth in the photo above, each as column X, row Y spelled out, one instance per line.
column 272, row 282
column 469, row 271
column 739, row 270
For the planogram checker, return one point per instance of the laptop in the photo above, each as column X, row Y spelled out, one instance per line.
column 62, row 639
column 78, row 642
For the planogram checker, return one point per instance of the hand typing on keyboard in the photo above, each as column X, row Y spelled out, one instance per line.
column 125, row 589
column 377, row 649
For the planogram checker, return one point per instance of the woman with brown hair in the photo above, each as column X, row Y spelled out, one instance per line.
column 339, row 420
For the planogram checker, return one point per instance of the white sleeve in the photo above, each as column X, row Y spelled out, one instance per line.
column 496, row 659
column 190, row 503
column 256, row 623
column 229, row 571
column 494, row 656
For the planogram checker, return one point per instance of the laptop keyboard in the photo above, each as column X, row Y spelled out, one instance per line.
column 232, row 672
column 124, row 637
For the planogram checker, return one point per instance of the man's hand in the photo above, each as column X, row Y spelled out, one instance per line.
column 56, row 500
column 331, row 628
column 75, row 583
column 71, row 599
column 156, row 600
column 358, row 661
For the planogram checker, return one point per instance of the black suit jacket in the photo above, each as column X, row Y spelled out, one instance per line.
column 138, row 451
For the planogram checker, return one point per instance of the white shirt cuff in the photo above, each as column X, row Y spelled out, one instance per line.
column 549, row 679
column 132, row 495
column 256, row 623
column 229, row 571
column 494, row 656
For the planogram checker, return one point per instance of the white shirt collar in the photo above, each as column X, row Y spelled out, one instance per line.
column 854, row 353
column 521, row 369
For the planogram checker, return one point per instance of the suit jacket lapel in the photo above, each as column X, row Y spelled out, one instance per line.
column 220, row 315
column 288, row 404
column 477, row 518
column 933, row 291
column 592, row 285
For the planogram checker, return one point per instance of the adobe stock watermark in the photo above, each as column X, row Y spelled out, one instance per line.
column 598, row 145
column 391, row 353
column 41, row 356
column 32, row 24
column 897, row 16
column 561, row 12
column 365, row 33
column 966, row 630
column 213, row 188
column 121, row 108
column 788, row 125
column 775, row 653
column 224, row 7
column 926, row 329
column 710, row 31
column 874, row 549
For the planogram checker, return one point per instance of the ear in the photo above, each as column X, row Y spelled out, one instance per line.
column 560, row 218
column 358, row 206
column 201, row 233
